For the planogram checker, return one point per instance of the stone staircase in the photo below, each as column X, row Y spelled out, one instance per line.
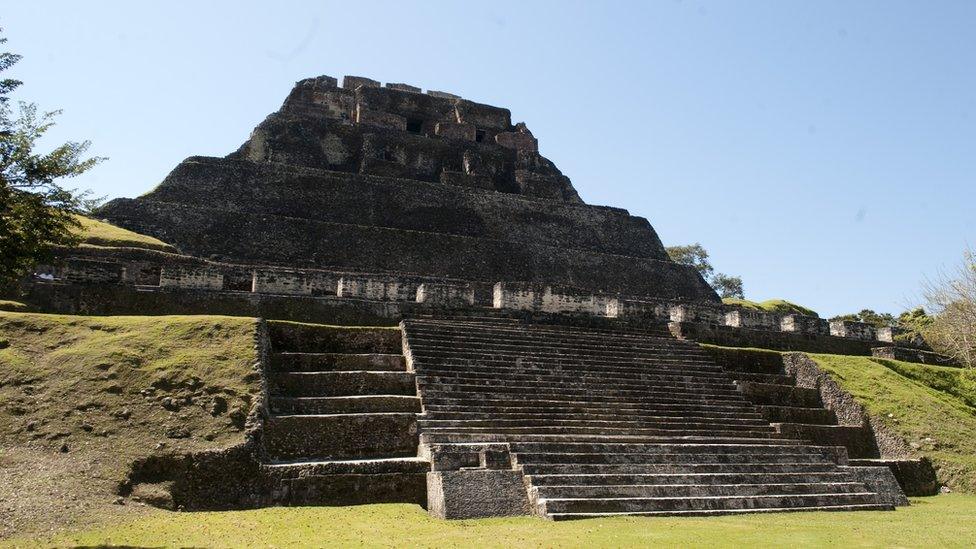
column 343, row 412
column 615, row 421
column 796, row 412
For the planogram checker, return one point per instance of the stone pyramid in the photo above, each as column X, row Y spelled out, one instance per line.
column 389, row 180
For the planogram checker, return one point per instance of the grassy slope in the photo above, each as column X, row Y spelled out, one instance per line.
column 943, row 521
column 779, row 306
column 929, row 406
column 99, row 233
column 7, row 305
column 82, row 397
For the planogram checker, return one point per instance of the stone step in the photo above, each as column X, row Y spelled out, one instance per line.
column 780, row 395
column 472, row 393
column 790, row 414
column 322, row 362
column 565, row 377
column 542, row 344
column 859, row 441
column 550, row 330
column 575, row 383
column 780, row 447
column 465, row 438
column 676, row 468
column 683, row 479
column 710, row 503
column 504, row 385
column 775, row 379
column 659, row 423
column 299, row 384
column 501, row 350
column 315, row 338
column 422, row 360
column 678, row 371
column 462, row 353
column 491, row 407
column 340, row 436
column 720, row 512
column 536, row 334
column 344, row 404
column 676, row 430
column 351, row 489
column 472, row 399
column 296, row 469
column 633, row 458
column 604, row 415
column 693, row 490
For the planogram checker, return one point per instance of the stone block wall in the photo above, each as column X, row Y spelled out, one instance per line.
column 377, row 288
column 652, row 310
column 549, row 299
column 853, row 330
column 90, row 271
column 888, row 333
column 803, row 324
column 748, row 318
column 199, row 278
column 281, row 282
column 697, row 313
column 446, row 295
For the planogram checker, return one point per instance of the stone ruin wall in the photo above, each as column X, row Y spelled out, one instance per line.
column 435, row 137
column 155, row 271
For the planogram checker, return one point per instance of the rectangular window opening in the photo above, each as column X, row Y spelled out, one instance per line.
column 414, row 125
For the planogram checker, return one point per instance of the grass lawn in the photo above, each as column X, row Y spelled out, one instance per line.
column 928, row 406
column 943, row 521
column 99, row 233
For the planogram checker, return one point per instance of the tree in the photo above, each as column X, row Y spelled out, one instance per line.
column 951, row 298
column 37, row 214
column 867, row 316
column 695, row 255
column 728, row 286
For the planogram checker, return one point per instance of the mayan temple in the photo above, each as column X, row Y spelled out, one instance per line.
column 446, row 322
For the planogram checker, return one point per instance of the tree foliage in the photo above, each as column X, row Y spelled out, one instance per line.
column 951, row 298
column 868, row 316
column 36, row 211
column 728, row 285
column 695, row 255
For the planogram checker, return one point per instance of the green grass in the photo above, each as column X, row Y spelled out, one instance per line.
column 14, row 306
column 958, row 382
column 778, row 306
column 928, row 406
column 100, row 233
column 943, row 521
column 82, row 398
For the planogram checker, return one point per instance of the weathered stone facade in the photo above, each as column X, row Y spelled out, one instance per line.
column 378, row 179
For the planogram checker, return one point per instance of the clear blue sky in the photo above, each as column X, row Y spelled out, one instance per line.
column 823, row 150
